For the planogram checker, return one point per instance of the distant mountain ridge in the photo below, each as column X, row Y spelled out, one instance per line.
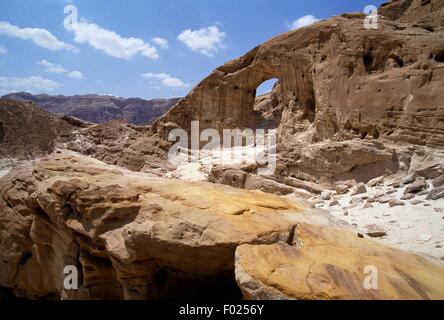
column 99, row 108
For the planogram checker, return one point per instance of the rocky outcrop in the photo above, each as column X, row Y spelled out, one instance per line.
column 125, row 231
column 99, row 109
column 119, row 143
column 27, row 132
column 353, row 159
column 425, row 14
column 132, row 236
column 325, row 263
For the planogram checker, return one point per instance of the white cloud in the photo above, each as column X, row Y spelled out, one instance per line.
column 174, row 82
column 161, row 42
column 167, row 80
column 206, row 41
column 75, row 75
column 51, row 67
column 57, row 68
column 3, row 50
column 10, row 84
column 150, row 75
column 40, row 37
column 303, row 22
column 112, row 43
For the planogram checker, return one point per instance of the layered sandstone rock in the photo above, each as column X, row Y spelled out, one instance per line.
column 325, row 263
column 132, row 236
column 124, row 230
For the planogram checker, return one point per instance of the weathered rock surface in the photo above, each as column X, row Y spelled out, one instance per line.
column 123, row 229
column 432, row 171
column 416, row 187
column 359, row 189
column 244, row 178
column 396, row 203
column 325, row 263
column 375, row 231
column 123, row 144
column 133, row 236
column 438, row 182
column 436, row 193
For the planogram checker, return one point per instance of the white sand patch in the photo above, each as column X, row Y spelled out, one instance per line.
column 418, row 228
column 188, row 172
column 196, row 166
column 4, row 172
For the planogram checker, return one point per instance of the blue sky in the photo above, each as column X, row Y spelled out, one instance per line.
column 139, row 48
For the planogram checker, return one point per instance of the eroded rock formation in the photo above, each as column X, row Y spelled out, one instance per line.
column 337, row 81
column 123, row 144
column 133, row 236
column 325, row 263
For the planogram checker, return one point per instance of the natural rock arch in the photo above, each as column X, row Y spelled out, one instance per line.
column 226, row 98
column 337, row 81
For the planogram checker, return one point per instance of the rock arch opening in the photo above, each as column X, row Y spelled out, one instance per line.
column 268, row 102
column 266, row 87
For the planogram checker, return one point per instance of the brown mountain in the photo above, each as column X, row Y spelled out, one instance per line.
column 27, row 131
column 99, row 108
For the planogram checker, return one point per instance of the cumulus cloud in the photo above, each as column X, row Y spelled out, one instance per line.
column 75, row 75
column 150, row 75
column 174, row 82
column 167, row 80
column 111, row 42
column 3, row 50
column 51, row 67
column 161, row 42
column 206, row 41
column 41, row 37
column 31, row 84
column 57, row 68
column 303, row 22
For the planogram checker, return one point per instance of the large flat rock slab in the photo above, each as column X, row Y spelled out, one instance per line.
column 327, row 263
